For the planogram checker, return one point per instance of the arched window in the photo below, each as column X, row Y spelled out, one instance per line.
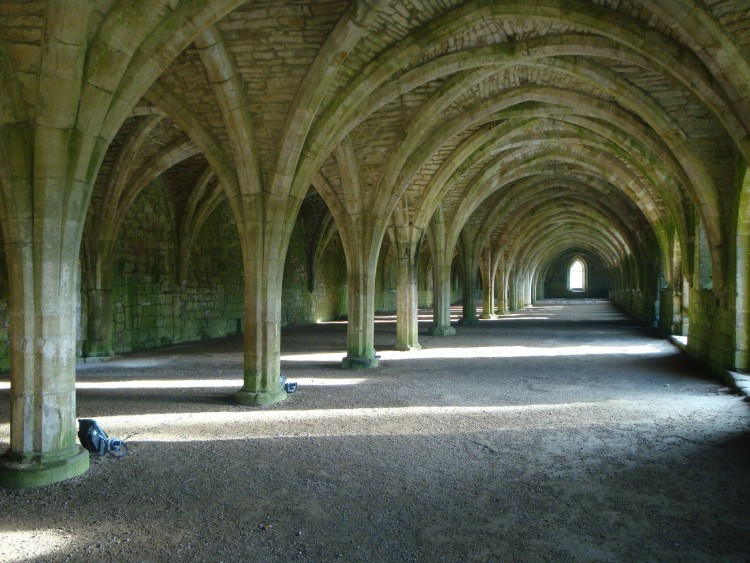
column 577, row 275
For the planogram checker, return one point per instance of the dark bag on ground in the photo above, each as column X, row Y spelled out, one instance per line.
column 95, row 439
column 288, row 386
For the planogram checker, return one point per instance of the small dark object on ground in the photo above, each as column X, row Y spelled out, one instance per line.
column 95, row 439
column 288, row 386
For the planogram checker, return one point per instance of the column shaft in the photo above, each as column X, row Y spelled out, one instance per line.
column 262, row 342
column 43, row 440
column 407, row 305
column 441, row 298
column 360, row 336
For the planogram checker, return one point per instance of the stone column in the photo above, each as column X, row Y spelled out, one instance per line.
column 407, row 304
column 360, row 335
column 676, row 323
column 441, row 296
column 685, row 308
column 262, row 338
column 742, row 299
column 517, row 291
column 99, row 323
column 502, row 294
column 469, row 284
column 488, row 286
column 527, row 290
column 511, row 291
column 43, row 434
column 441, row 278
column 523, row 295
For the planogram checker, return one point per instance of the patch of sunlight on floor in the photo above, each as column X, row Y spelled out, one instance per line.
column 201, row 383
column 491, row 352
column 385, row 421
column 243, row 425
column 22, row 545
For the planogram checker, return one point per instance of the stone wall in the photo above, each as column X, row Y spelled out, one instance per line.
column 666, row 324
column 144, row 289
column 556, row 281
column 329, row 297
column 153, row 308
column 211, row 300
column 637, row 303
column 711, row 334
column 296, row 300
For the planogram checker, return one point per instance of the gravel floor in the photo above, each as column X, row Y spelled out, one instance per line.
column 561, row 433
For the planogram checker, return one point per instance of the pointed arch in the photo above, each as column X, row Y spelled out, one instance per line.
column 577, row 274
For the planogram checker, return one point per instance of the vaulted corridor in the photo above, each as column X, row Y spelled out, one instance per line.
column 174, row 171
column 564, row 431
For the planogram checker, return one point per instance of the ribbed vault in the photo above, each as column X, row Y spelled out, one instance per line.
column 507, row 135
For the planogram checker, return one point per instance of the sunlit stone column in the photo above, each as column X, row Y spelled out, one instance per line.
column 407, row 304
column 360, row 335
column 43, row 441
column 262, row 338
column 685, row 308
column 441, row 297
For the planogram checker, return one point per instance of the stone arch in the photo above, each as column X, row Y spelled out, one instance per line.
column 701, row 92
column 204, row 198
column 659, row 51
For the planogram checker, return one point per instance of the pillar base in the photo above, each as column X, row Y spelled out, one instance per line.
column 95, row 359
column 466, row 322
column 359, row 362
column 442, row 331
column 407, row 348
column 255, row 398
column 19, row 473
column 98, row 349
column 490, row 317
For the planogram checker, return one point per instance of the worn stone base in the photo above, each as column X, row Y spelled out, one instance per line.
column 467, row 322
column 19, row 473
column 359, row 362
column 740, row 381
column 254, row 398
column 412, row 348
column 95, row 359
column 488, row 317
column 442, row 331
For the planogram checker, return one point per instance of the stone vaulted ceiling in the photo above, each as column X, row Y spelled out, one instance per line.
column 528, row 128
column 517, row 131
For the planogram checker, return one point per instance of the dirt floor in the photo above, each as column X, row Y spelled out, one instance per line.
column 565, row 432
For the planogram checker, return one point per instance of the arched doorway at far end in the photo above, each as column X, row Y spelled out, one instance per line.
column 577, row 275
